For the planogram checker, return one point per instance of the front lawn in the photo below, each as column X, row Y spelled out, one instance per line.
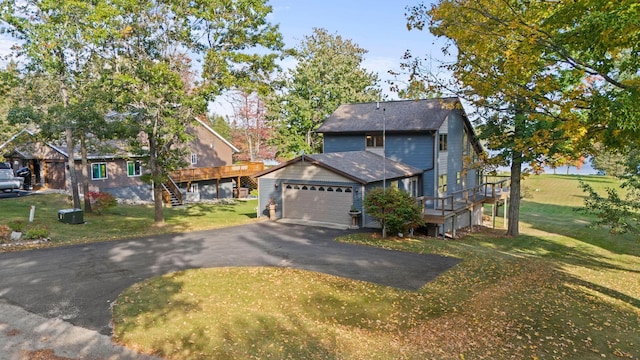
column 558, row 291
column 123, row 221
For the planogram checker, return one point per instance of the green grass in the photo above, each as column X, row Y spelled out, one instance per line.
column 561, row 290
column 123, row 221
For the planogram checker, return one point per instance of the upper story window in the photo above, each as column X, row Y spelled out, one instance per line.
column 134, row 168
column 194, row 159
column 443, row 142
column 375, row 141
column 98, row 171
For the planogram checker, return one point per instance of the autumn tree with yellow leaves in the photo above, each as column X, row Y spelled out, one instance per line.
column 546, row 76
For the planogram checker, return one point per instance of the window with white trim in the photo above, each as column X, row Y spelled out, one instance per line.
column 194, row 159
column 98, row 171
column 134, row 168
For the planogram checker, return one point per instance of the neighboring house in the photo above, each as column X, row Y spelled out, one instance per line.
column 210, row 173
column 433, row 142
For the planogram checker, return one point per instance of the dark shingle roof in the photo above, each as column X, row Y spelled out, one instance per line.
column 361, row 166
column 400, row 116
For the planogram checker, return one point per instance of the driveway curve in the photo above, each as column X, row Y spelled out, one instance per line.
column 79, row 283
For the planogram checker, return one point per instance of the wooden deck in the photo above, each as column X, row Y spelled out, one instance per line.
column 216, row 173
column 437, row 210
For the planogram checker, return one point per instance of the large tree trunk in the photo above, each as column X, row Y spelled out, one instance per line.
column 513, row 228
column 156, row 172
column 70, row 160
column 85, row 174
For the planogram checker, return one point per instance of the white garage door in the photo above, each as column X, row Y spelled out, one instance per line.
column 318, row 203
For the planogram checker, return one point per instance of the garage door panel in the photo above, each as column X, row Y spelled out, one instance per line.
column 316, row 203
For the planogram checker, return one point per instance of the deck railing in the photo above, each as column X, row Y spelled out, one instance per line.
column 466, row 196
column 218, row 172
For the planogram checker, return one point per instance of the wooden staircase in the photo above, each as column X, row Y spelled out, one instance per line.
column 171, row 193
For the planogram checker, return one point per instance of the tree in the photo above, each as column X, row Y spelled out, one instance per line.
column 220, row 125
column 620, row 213
column 395, row 210
column 610, row 161
column 58, row 40
column 328, row 73
column 529, row 69
column 151, row 75
column 251, row 131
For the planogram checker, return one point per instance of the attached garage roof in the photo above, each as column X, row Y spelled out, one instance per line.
column 361, row 166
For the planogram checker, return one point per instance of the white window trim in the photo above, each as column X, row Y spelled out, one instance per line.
column 106, row 171
column 134, row 169
column 194, row 159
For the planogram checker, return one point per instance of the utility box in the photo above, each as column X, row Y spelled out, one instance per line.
column 71, row 216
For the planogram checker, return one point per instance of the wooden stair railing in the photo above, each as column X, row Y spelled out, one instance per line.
column 171, row 193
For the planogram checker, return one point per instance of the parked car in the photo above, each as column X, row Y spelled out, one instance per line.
column 9, row 182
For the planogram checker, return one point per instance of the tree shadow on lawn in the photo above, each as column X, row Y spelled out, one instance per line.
column 570, row 222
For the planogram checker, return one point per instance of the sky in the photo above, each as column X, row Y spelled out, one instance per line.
column 378, row 26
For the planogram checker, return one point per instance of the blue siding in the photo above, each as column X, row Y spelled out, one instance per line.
column 412, row 149
column 339, row 143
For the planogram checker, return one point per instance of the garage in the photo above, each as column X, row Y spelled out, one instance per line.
column 318, row 202
column 322, row 188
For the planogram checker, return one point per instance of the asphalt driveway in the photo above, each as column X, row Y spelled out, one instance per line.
column 78, row 284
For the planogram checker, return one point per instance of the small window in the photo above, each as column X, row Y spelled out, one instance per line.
column 458, row 177
column 321, row 188
column 312, row 188
column 194, row 159
column 288, row 187
column 339, row 190
column 134, row 168
column 375, row 141
column 98, row 171
column 442, row 183
column 193, row 188
column 347, row 190
column 443, row 142
column 304, row 187
column 330, row 189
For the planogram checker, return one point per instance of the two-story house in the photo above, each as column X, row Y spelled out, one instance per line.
column 425, row 147
column 209, row 174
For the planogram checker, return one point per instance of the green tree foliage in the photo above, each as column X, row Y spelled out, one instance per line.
column 396, row 210
column 328, row 73
column 58, row 42
column 151, row 76
column 609, row 161
column 220, row 125
column 534, row 69
column 620, row 213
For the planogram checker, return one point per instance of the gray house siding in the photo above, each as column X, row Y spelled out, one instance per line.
column 340, row 143
column 455, row 161
column 268, row 190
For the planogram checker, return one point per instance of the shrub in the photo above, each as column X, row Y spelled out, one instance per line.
column 16, row 225
column 396, row 210
column 36, row 232
column 100, row 202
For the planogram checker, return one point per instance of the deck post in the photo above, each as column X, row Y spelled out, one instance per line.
column 454, row 223
column 504, row 215
column 493, row 214
column 218, row 188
